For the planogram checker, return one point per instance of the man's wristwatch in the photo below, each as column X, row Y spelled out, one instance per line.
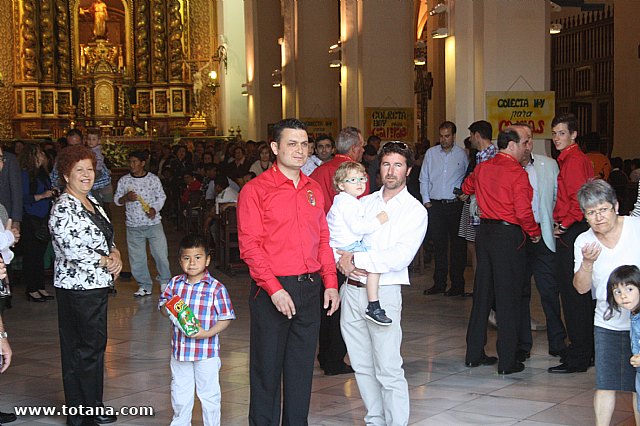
column 3, row 335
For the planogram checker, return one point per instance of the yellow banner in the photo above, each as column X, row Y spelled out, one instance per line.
column 534, row 108
column 319, row 126
column 389, row 124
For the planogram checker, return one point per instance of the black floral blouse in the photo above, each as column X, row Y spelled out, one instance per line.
column 78, row 243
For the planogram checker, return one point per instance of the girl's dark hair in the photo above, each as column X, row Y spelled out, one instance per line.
column 625, row 274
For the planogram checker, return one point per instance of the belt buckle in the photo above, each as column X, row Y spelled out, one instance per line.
column 305, row 277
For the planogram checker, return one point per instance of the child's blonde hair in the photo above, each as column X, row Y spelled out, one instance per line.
column 343, row 172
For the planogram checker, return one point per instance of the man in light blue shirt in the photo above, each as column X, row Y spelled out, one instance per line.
column 443, row 170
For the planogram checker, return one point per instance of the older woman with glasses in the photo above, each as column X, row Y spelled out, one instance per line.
column 611, row 242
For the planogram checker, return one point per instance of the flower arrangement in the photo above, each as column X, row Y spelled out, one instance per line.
column 115, row 153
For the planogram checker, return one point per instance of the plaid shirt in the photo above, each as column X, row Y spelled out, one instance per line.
column 209, row 301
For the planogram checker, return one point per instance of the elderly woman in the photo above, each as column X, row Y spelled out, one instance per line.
column 86, row 265
column 611, row 242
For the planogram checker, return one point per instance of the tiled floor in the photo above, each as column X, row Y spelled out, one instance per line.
column 443, row 391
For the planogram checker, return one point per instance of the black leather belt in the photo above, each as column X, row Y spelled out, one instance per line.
column 355, row 283
column 496, row 222
column 305, row 277
column 451, row 201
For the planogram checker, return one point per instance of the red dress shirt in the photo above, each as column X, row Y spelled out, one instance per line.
column 194, row 186
column 503, row 192
column 324, row 176
column 575, row 170
column 282, row 230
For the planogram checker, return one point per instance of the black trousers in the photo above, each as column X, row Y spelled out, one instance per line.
column 500, row 274
column 541, row 263
column 282, row 351
column 578, row 308
column 331, row 346
column 82, row 324
column 450, row 250
column 33, row 249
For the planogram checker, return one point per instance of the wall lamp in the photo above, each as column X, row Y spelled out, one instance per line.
column 335, row 63
column 276, row 78
column 555, row 28
column 336, row 47
column 246, row 89
column 213, row 84
column 439, row 8
column 440, row 33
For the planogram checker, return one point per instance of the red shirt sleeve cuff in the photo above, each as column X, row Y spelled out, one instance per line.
column 271, row 286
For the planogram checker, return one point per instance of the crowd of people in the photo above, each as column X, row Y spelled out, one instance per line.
column 328, row 228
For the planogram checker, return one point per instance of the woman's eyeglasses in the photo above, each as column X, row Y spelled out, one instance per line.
column 601, row 211
column 354, row 180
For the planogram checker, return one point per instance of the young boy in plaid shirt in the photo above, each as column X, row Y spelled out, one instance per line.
column 196, row 360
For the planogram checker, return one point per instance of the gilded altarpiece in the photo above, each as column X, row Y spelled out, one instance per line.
column 91, row 62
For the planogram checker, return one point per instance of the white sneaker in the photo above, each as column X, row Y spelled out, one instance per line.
column 142, row 293
column 492, row 319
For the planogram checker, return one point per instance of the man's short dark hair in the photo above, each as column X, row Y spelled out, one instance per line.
column 327, row 137
column 397, row 147
column 194, row 241
column 140, row 155
column 287, row 123
column 483, row 127
column 74, row 132
column 373, row 139
column 221, row 181
column 210, row 166
column 448, row 125
column 507, row 135
column 567, row 118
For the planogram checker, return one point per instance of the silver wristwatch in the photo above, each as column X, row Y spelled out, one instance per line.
column 3, row 335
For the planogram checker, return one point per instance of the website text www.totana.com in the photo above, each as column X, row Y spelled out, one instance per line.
column 81, row 410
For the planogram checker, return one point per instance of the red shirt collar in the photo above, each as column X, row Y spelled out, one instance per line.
column 280, row 178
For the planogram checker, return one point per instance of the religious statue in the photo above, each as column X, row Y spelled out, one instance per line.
column 197, row 88
column 100, row 15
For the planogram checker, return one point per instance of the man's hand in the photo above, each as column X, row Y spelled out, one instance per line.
column 535, row 240
column 6, row 354
column 346, row 266
column 635, row 360
column 202, row 333
column 283, row 303
column 463, row 197
column 557, row 230
column 132, row 196
column 151, row 213
column 332, row 297
column 428, row 204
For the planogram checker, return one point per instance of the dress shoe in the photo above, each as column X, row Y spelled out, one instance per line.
column 433, row 290
column 562, row 353
column 565, row 368
column 522, row 355
column 45, row 295
column 517, row 367
column 105, row 419
column 343, row 369
column 485, row 360
column 7, row 417
column 32, row 298
column 454, row 292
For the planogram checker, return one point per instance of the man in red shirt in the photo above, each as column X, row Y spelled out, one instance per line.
column 349, row 147
column 504, row 195
column 575, row 170
column 284, row 239
column 332, row 350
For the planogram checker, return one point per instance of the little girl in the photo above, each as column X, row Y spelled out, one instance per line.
column 347, row 226
column 623, row 290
